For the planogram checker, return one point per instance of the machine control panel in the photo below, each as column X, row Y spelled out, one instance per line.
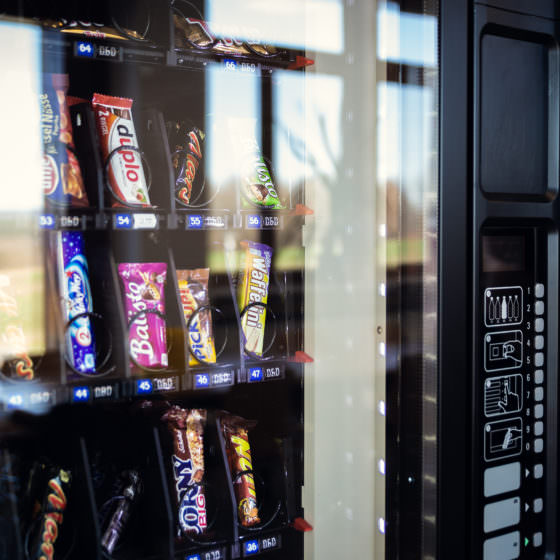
column 510, row 382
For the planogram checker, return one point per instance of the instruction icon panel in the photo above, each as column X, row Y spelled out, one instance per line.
column 503, row 306
column 503, row 350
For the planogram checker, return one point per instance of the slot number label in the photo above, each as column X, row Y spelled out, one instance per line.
column 206, row 380
column 81, row 394
column 256, row 374
column 47, row 221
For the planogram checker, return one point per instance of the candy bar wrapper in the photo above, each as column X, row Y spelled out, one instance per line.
column 193, row 289
column 186, row 144
column 238, row 450
column 93, row 30
column 124, row 504
column 196, row 33
column 52, row 514
column 144, row 285
column 75, row 292
column 186, row 427
column 115, row 128
column 63, row 183
column 256, row 182
column 253, row 288
column 14, row 352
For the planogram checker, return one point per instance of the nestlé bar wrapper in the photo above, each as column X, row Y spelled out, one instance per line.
column 236, row 434
column 115, row 128
column 63, row 183
column 193, row 290
column 186, row 427
column 143, row 290
column 253, row 288
column 75, row 293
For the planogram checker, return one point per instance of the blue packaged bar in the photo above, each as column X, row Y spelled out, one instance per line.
column 76, row 299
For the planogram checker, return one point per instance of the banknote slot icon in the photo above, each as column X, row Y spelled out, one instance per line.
column 503, row 395
column 503, row 350
column 503, row 438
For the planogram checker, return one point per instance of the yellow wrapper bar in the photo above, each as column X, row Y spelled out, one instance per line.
column 193, row 289
column 253, row 288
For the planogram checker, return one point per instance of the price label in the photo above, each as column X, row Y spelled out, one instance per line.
column 80, row 394
column 145, row 221
column 215, row 222
column 40, row 397
column 144, row 387
column 269, row 543
column 103, row 392
column 15, row 401
column 230, row 64
column 254, row 221
column 107, row 51
column 47, row 221
column 273, row 372
column 255, row 374
column 165, row 383
column 195, row 222
column 70, row 221
column 271, row 221
column 214, row 555
column 250, row 547
column 250, row 67
column 201, row 380
column 85, row 49
column 222, row 378
column 123, row 221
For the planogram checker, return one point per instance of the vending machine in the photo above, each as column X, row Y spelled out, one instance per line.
column 221, row 282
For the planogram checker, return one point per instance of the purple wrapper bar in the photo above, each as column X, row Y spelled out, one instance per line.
column 75, row 293
column 144, row 285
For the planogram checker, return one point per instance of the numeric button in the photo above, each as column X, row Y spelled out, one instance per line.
column 539, row 324
column 539, row 307
column 539, row 290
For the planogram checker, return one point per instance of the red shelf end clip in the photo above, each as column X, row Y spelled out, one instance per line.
column 300, row 524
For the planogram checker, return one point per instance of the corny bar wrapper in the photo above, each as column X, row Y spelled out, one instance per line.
column 193, row 290
column 253, row 289
column 186, row 428
column 63, row 183
column 115, row 128
column 143, row 290
column 75, row 292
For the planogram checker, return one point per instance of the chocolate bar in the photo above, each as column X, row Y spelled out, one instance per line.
column 76, row 300
column 143, row 294
column 238, row 450
column 186, row 428
column 13, row 345
column 62, row 178
column 186, row 142
column 115, row 127
column 122, row 511
column 52, row 514
column 253, row 289
column 193, row 33
column 257, row 186
column 193, row 290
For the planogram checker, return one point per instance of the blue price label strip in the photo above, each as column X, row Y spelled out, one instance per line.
column 230, row 64
column 123, row 221
column 251, row 547
column 80, row 394
column 193, row 557
column 144, row 387
column 254, row 221
column 195, row 222
column 47, row 221
column 83, row 48
column 255, row 374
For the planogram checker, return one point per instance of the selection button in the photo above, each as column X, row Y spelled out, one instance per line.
column 538, row 428
column 539, row 324
column 539, row 394
column 537, row 539
column 538, row 471
column 539, row 359
column 539, row 411
column 538, row 505
column 539, row 342
column 539, row 307
column 539, row 376
column 538, row 445
column 539, row 290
